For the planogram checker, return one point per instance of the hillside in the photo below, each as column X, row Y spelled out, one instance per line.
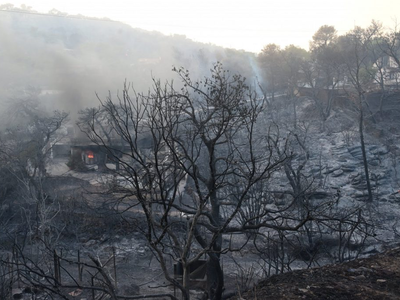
column 65, row 60
column 374, row 277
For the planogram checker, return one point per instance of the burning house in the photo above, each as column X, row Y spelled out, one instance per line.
column 90, row 154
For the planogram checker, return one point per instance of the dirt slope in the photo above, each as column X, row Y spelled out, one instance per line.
column 376, row 277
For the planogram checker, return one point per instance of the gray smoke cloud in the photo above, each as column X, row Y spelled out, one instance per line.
column 69, row 60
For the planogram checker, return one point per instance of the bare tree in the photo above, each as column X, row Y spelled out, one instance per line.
column 356, row 59
column 207, row 152
column 56, row 275
column 25, row 152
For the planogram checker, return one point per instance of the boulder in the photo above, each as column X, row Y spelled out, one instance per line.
column 337, row 173
column 380, row 151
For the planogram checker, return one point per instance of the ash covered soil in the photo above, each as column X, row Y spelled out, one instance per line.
column 376, row 277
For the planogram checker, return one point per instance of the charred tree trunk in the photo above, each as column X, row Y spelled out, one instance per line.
column 364, row 153
column 215, row 274
column 215, row 277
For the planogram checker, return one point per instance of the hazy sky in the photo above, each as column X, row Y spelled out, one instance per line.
column 239, row 24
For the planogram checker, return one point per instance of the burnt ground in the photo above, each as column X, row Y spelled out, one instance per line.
column 376, row 277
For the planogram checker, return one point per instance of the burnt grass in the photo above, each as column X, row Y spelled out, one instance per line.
column 375, row 277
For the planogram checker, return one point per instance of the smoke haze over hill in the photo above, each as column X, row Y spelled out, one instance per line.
column 67, row 59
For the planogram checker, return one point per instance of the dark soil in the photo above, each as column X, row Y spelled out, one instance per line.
column 376, row 277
